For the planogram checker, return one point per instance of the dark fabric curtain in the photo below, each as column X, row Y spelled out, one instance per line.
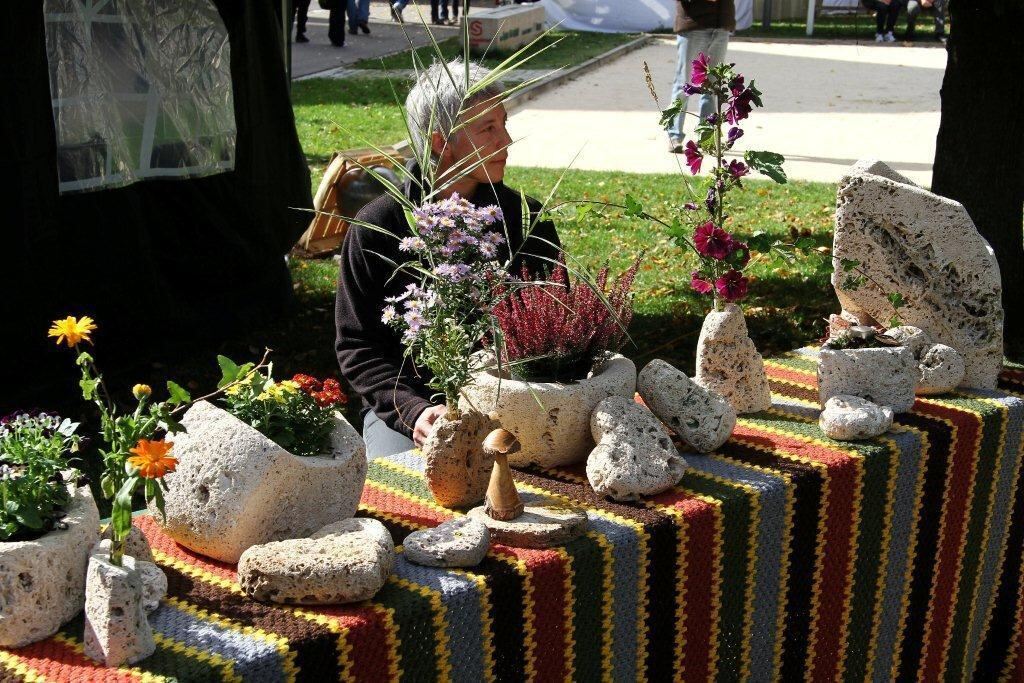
column 160, row 263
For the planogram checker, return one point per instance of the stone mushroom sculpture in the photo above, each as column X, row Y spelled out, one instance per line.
column 502, row 501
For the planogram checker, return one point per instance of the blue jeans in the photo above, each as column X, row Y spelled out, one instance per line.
column 358, row 13
column 381, row 440
column 400, row 5
column 713, row 43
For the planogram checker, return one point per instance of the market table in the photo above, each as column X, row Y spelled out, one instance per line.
column 783, row 556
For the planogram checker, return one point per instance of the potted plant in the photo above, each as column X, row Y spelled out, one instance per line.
column 276, row 460
column 557, row 347
column 48, row 524
column 135, row 459
column 863, row 361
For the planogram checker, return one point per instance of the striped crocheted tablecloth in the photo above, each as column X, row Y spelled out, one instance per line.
column 783, row 556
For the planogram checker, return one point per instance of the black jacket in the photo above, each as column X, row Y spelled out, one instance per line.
column 693, row 15
column 370, row 353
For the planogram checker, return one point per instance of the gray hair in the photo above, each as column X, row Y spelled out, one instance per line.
column 434, row 103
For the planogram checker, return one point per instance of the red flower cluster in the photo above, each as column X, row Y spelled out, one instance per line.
column 558, row 330
column 326, row 393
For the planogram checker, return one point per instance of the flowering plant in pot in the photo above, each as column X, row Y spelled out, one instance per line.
column 268, row 461
column 556, row 343
column 48, row 524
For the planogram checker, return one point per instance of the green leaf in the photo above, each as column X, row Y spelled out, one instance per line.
column 633, row 207
column 756, row 94
column 121, row 512
column 669, row 115
column 767, row 163
column 88, row 387
column 83, row 358
column 582, row 210
column 896, row 299
column 853, row 283
column 805, row 243
column 761, row 242
column 228, row 371
column 178, row 394
column 895, row 321
column 28, row 516
column 707, row 140
column 848, row 264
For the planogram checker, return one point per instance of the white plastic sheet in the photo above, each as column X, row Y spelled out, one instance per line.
column 626, row 16
column 140, row 89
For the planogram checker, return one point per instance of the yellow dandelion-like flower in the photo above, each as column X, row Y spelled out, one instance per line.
column 72, row 331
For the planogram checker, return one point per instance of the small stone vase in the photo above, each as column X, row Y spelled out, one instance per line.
column 458, row 468
column 116, row 629
column 729, row 364
column 885, row 376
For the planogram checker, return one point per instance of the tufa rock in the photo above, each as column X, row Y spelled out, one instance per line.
column 542, row 525
column 634, row 456
column 347, row 561
column 136, row 545
column 701, row 418
column 457, row 467
column 461, row 542
column 729, row 365
column 116, row 630
column 42, row 582
column 154, row 581
column 914, row 338
column 926, row 248
column 849, row 418
column 550, row 419
column 941, row 369
column 235, row 488
column 885, row 376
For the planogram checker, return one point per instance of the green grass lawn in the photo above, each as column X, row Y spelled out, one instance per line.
column 553, row 50
column 857, row 26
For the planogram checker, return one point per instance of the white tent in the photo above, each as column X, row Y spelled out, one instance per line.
column 617, row 16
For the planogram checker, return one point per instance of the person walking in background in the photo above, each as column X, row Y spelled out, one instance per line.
column 938, row 7
column 336, row 23
column 703, row 26
column 396, row 9
column 455, row 12
column 358, row 16
column 439, row 12
column 300, row 14
column 886, row 14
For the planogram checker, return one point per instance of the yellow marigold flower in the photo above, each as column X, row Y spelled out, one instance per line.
column 151, row 459
column 141, row 391
column 72, row 330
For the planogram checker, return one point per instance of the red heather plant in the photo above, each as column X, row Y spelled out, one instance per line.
column 554, row 330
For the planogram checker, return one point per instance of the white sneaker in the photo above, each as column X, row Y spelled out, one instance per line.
column 890, row 38
column 879, row 38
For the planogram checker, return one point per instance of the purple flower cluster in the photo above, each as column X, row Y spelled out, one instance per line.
column 456, row 254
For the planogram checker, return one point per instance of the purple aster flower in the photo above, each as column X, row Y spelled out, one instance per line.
column 414, row 243
column 388, row 315
column 693, row 157
column 415, row 321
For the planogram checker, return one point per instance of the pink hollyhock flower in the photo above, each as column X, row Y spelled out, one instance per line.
column 712, row 241
column 700, row 285
column 740, row 107
column 732, row 286
column 740, row 255
column 693, row 157
column 737, row 169
column 699, row 70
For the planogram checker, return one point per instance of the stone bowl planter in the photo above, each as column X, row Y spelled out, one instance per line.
column 550, row 419
column 885, row 376
column 42, row 582
column 235, row 488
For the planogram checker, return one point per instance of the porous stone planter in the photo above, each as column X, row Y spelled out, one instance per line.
column 116, row 629
column 42, row 582
column 885, row 376
column 551, row 419
column 235, row 488
column 729, row 364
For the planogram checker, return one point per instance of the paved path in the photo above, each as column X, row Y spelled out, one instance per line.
column 826, row 105
column 386, row 37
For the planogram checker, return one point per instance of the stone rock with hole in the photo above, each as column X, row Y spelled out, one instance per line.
column 136, row 545
column 850, row 418
column 543, row 524
column 914, row 338
column 116, row 629
column 42, row 582
column 550, row 419
column 344, row 562
column 461, row 542
column 701, row 418
column 885, row 376
column 634, row 456
column 457, row 469
column 940, row 369
column 729, row 364
column 235, row 488
column 926, row 248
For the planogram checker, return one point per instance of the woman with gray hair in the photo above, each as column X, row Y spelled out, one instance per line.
column 459, row 131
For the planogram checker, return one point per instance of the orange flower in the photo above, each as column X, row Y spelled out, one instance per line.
column 72, row 330
column 151, row 459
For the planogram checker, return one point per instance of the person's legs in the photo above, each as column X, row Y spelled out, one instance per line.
column 455, row 10
column 364, row 15
column 396, row 9
column 353, row 16
column 718, row 44
column 892, row 15
column 381, row 440
column 940, row 18
column 434, row 16
column 688, row 46
column 336, row 26
column 913, row 9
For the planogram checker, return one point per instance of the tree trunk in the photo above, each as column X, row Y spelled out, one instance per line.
column 979, row 154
